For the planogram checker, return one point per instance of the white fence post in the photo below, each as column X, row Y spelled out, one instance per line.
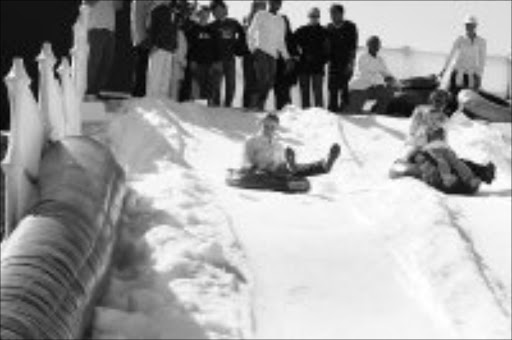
column 50, row 95
column 80, row 52
column 27, row 138
column 71, row 105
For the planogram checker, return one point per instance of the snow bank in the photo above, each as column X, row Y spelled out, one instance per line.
column 359, row 248
column 179, row 273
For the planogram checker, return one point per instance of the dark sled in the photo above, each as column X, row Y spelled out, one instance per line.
column 257, row 180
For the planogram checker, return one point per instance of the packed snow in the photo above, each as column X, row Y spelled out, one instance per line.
column 360, row 256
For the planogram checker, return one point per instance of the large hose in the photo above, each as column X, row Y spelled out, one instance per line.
column 55, row 261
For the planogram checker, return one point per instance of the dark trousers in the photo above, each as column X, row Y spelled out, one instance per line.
column 228, row 73
column 249, row 80
column 455, row 88
column 101, row 57
column 303, row 170
column 265, row 67
column 310, row 82
column 282, row 85
column 338, row 88
column 461, row 187
column 205, row 81
column 186, row 85
column 382, row 94
column 141, row 69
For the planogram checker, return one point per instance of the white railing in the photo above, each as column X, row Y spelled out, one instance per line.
column 55, row 115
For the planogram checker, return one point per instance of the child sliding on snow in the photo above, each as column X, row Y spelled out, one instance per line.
column 447, row 161
column 432, row 158
column 264, row 152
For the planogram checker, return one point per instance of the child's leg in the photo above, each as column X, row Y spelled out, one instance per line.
column 459, row 167
column 443, row 166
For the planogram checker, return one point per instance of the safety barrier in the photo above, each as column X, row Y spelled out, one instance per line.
column 64, row 195
column 53, row 264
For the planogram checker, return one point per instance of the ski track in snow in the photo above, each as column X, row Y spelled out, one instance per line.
column 359, row 257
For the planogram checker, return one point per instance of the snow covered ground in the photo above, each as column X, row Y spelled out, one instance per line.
column 360, row 256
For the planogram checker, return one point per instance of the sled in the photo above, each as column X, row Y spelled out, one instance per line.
column 260, row 180
column 485, row 106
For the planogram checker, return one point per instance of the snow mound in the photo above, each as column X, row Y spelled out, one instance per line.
column 198, row 259
column 179, row 272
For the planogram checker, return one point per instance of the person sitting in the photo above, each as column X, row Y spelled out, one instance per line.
column 427, row 137
column 450, row 167
column 427, row 118
column 425, row 167
column 265, row 153
column 372, row 80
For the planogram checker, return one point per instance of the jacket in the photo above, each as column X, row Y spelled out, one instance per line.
column 204, row 44
column 312, row 48
column 342, row 44
column 232, row 37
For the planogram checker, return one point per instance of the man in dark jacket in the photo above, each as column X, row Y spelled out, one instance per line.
column 343, row 41
column 231, row 34
column 204, row 58
column 311, row 41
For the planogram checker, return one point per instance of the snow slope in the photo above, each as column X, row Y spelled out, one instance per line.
column 359, row 257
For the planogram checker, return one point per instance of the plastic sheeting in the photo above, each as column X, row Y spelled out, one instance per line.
column 55, row 261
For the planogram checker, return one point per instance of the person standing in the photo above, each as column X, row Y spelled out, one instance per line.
column 204, row 58
column 466, row 60
column 248, row 60
column 286, row 72
column 266, row 40
column 312, row 45
column 231, row 35
column 168, row 55
column 372, row 80
column 140, row 40
column 343, row 39
column 102, row 40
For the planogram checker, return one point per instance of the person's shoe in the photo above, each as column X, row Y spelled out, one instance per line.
column 289, row 155
column 334, row 153
column 490, row 173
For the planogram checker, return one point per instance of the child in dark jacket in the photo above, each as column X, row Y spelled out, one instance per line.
column 167, row 59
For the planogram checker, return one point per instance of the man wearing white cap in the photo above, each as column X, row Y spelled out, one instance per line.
column 467, row 59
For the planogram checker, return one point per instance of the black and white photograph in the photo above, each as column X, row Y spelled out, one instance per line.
column 256, row 169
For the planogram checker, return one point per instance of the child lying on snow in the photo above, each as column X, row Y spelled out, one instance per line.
column 264, row 152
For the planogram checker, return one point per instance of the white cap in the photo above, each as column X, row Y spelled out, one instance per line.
column 471, row 19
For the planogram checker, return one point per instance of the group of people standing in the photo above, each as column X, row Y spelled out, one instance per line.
column 183, row 55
